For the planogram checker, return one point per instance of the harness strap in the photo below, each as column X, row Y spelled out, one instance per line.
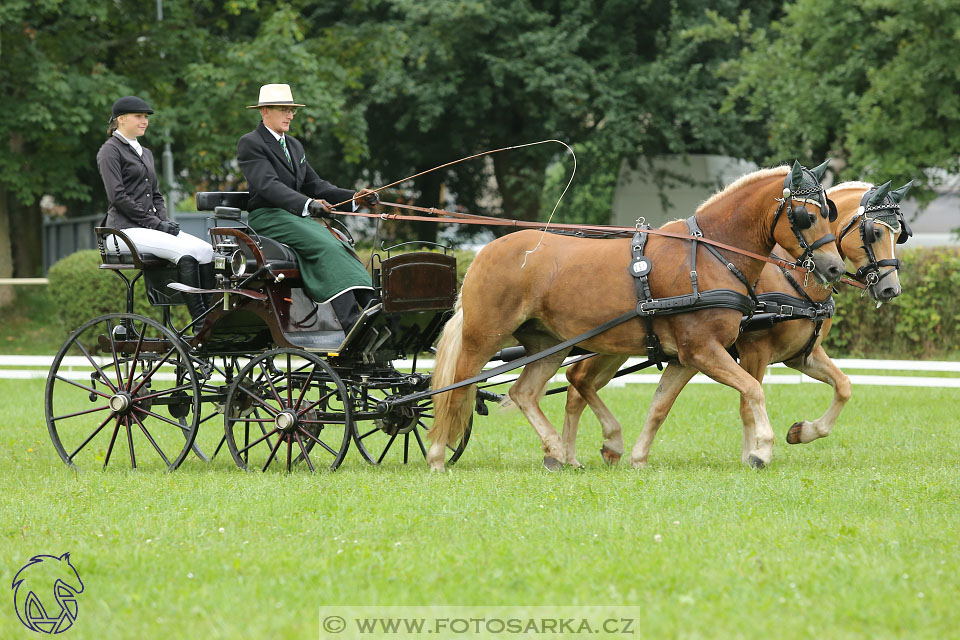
column 513, row 364
column 695, row 230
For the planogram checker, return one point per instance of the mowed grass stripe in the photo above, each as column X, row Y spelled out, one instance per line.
column 855, row 535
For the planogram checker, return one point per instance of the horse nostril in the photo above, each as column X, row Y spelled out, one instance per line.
column 834, row 272
column 889, row 293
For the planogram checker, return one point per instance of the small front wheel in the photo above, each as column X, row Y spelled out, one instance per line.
column 286, row 409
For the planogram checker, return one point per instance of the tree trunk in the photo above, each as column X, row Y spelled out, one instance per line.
column 26, row 225
column 430, row 187
column 6, row 256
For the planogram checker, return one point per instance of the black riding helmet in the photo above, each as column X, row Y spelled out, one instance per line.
column 130, row 104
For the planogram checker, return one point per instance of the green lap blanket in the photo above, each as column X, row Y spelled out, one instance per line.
column 327, row 265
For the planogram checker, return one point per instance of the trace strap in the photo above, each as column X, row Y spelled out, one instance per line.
column 513, row 364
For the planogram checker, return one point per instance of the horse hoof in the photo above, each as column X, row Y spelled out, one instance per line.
column 793, row 433
column 756, row 462
column 610, row 456
column 551, row 464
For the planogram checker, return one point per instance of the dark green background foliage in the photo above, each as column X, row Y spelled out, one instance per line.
column 80, row 291
column 924, row 322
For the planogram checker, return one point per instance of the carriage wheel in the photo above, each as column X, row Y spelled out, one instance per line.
column 401, row 437
column 286, row 409
column 122, row 381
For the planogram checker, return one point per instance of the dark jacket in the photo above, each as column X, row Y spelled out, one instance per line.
column 131, row 184
column 273, row 182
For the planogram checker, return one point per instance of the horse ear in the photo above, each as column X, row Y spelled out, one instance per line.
column 898, row 194
column 818, row 171
column 881, row 193
column 796, row 175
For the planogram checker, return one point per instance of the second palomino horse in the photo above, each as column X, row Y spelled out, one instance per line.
column 544, row 290
column 868, row 226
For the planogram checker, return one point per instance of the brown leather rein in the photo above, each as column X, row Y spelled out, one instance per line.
column 442, row 215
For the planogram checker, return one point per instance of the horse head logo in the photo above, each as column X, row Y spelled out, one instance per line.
column 37, row 609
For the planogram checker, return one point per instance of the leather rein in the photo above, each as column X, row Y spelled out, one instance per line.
column 443, row 215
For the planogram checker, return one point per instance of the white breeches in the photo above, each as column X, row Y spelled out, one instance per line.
column 163, row 245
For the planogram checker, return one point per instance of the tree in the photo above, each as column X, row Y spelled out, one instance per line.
column 872, row 83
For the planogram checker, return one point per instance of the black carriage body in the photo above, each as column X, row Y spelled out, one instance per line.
column 290, row 383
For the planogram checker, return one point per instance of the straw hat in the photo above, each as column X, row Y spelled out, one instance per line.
column 275, row 95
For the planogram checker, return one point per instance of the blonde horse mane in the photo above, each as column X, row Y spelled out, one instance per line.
column 854, row 184
column 743, row 181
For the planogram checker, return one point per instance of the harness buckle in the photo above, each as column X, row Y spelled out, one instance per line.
column 693, row 278
column 787, row 309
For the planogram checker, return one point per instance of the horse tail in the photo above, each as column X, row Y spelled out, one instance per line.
column 452, row 410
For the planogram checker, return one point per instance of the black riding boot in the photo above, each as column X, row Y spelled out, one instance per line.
column 188, row 273
column 208, row 280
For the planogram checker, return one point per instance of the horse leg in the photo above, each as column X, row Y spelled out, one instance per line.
column 820, row 367
column 571, row 420
column 754, row 362
column 526, row 392
column 586, row 378
column 713, row 360
column 675, row 377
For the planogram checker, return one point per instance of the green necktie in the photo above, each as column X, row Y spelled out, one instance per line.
column 283, row 143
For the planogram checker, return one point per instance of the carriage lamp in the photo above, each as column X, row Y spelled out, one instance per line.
column 223, row 252
column 238, row 263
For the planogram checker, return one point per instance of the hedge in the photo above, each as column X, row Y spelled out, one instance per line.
column 81, row 291
column 922, row 323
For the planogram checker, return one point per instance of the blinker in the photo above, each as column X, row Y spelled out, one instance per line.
column 802, row 218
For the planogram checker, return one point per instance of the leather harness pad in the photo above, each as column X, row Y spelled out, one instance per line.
column 648, row 306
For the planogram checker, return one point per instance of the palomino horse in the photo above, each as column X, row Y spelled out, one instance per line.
column 543, row 290
column 868, row 225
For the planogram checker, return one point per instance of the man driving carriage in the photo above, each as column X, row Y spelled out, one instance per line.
column 286, row 192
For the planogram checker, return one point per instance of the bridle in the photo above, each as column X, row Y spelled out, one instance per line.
column 800, row 218
column 870, row 273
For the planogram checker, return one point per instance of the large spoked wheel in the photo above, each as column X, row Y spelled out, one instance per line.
column 288, row 409
column 122, row 381
column 400, row 437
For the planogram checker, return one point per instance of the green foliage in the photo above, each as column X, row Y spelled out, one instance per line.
column 922, row 323
column 80, row 291
column 872, row 84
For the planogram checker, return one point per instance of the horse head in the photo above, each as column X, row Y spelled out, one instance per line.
column 869, row 229
column 802, row 223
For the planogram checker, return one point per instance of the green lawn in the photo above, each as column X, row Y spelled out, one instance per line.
column 853, row 536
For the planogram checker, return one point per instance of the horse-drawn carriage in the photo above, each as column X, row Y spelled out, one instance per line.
column 293, row 387
column 289, row 383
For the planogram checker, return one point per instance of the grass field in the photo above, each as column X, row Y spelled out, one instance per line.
column 853, row 536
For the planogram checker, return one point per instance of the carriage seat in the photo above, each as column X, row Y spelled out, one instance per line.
column 227, row 205
column 279, row 255
column 111, row 257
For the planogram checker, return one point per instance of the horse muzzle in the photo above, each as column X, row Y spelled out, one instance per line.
column 827, row 267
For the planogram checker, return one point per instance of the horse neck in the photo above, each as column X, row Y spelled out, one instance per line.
column 848, row 204
column 744, row 219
